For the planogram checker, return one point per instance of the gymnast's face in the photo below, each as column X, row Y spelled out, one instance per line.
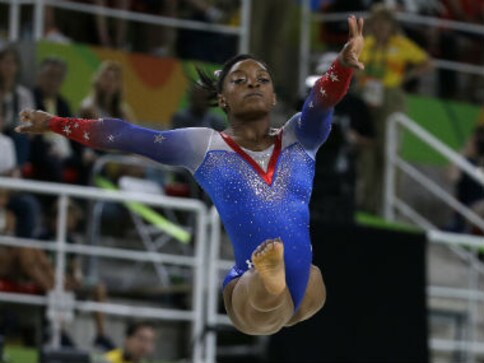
column 248, row 92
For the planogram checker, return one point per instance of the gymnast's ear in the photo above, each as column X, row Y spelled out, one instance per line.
column 222, row 103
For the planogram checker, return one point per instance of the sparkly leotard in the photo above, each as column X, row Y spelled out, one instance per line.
column 256, row 200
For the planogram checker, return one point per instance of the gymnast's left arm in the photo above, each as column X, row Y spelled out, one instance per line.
column 181, row 147
column 314, row 125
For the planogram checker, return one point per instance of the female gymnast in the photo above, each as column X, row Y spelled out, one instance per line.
column 260, row 180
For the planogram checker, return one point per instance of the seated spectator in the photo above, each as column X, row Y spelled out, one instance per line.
column 49, row 153
column 105, row 100
column 463, row 47
column 335, row 34
column 203, row 45
column 468, row 191
column 13, row 98
column 51, row 31
column 106, row 97
column 197, row 114
column 8, row 161
column 138, row 344
column 118, row 39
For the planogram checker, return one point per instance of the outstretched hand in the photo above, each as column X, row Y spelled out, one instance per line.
column 33, row 122
column 351, row 51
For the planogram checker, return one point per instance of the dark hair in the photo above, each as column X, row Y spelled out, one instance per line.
column 54, row 61
column 133, row 327
column 212, row 84
column 10, row 49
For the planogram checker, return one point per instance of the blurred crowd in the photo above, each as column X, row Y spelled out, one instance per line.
column 350, row 168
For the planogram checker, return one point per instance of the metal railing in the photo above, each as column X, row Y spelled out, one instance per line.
column 305, row 35
column 394, row 204
column 60, row 304
column 39, row 9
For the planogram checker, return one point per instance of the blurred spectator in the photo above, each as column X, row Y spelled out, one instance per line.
column 8, row 161
column 52, row 32
column 151, row 38
column 197, row 114
column 204, row 45
column 390, row 59
column 335, row 34
column 13, row 98
column 118, row 39
column 105, row 100
column 461, row 46
column 50, row 153
column 468, row 191
column 138, row 344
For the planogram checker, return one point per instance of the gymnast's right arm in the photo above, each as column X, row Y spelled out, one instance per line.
column 181, row 147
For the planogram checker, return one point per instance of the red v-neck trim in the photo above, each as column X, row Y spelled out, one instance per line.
column 268, row 175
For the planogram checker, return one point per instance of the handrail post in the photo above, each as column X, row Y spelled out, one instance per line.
column 390, row 169
column 60, row 268
column 39, row 19
column 14, row 21
column 198, row 291
column 212, row 284
column 304, row 46
column 244, row 35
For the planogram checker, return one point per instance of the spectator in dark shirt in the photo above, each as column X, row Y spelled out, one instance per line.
column 50, row 154
column 198, row 114
column 13, row 98
column 468, row 191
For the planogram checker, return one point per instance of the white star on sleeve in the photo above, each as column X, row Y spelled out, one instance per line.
column 159, row 139
column 86, row 135
column 67, row 130
column 76, row 125
column 333, row 77
column 311, row 104
column 322, row 91
column 249, row 264
column 111, row 138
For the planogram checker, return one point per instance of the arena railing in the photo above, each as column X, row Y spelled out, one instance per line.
column 144, row 230
column 307, row 18
column 61, row 304
column 39, row 9
column 457, row 242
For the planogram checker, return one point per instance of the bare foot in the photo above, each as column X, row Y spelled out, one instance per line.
column 268, row 260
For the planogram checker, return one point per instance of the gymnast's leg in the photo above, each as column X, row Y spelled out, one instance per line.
column 314, row 298
column 259, row 302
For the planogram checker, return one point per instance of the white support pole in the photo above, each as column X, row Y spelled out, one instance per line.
column 390, row 168
column 244, row 38
column 213, row 291
column 60, row 267
column 198, row 290
column 473, row 309
column 14, row 21
column 304, row 46
column 39, row 19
